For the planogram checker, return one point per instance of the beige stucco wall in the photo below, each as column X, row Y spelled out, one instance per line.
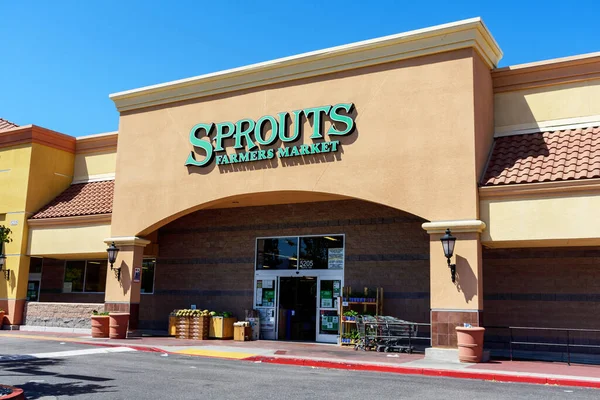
column 94, row 165
column 467, row 292
column 561, row 219
column 524, row 109
column 414, row 147
column 68, row 241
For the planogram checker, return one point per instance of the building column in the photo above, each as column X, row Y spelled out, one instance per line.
column 123, row 295
column 13, row 291
column 455, row 303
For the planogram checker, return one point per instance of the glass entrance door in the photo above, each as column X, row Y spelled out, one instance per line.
column 327, row 309
column 265, row 302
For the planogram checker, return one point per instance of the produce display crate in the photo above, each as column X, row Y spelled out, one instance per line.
column 172, row 326
column 221, row 327
column 182, row 328
column 199, row 327
column 242, row 333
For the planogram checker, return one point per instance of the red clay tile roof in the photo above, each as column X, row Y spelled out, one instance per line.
column 89, row 198
column 4, row 125
column 545, row 157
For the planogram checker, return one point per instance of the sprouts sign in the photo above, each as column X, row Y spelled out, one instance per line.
column 247, row 134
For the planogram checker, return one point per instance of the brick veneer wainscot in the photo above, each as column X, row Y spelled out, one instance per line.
column 207, row 257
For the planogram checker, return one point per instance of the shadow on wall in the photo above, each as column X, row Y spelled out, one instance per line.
column 466, row 281
column 509, row 152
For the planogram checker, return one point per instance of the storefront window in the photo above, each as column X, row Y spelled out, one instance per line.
column 277, row 253
column 322, row 252
column 85, row 276
column 95, row 276
column 35, row 265
column 74, row 275
column 148, row 266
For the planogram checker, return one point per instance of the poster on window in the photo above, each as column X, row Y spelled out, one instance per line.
column 335, row 259
column 67, row 287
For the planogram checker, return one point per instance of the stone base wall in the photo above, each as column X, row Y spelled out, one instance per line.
column 60, row 315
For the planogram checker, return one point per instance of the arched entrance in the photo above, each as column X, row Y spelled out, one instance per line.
column 288, row 260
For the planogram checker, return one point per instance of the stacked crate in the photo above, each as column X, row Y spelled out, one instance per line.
column 198, row 327
column 183, row 327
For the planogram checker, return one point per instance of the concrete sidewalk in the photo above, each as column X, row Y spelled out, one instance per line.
column 333, row 356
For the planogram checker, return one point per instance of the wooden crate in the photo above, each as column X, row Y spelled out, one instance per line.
column 221, row 327
column 242, row 333
column 172, row 326
column 199, row 327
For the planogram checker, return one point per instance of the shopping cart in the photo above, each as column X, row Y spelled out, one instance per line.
column 384, row 333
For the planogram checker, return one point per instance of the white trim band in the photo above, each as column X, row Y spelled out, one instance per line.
column 127, row 241
column 460, row 226
column 469, row 33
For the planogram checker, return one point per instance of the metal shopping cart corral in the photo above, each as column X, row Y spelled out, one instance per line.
column 384, row 333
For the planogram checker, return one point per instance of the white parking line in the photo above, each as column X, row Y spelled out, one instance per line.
column 68, row 353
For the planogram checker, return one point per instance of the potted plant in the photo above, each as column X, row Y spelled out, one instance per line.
column 100, row 325
column 350, row 315
column 470, row 343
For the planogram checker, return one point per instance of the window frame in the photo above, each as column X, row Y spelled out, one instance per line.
column 153, row 275
column 84, row 277
column 343, row 235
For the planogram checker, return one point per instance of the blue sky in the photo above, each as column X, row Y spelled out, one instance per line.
column 61, row 59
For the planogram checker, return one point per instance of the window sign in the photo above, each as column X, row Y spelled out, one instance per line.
column 335, row 258
column 326, row 298
column 211, row 140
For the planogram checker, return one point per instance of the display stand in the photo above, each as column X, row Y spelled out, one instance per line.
column 365, row 301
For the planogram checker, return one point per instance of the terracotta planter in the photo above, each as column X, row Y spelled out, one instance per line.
column 100, row 326
column 17, row 394
column 118, row 325
column 470, row 344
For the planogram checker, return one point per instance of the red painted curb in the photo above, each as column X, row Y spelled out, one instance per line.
column 485, row 376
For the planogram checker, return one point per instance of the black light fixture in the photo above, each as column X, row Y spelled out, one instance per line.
column 3, row 263
column 112, row 257
column 448, row 242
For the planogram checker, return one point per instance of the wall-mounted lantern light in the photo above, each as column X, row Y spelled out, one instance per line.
column 112, row 257
column 448, row 242
column 3, row 263
column 4, row 238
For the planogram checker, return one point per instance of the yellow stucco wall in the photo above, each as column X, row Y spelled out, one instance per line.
column 529, row 221
column 51, row 173
column 14, row 176
column 94, row 165
column 525, row 108
column 68, row 241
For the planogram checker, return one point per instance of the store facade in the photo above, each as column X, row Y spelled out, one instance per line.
column 272, row 186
